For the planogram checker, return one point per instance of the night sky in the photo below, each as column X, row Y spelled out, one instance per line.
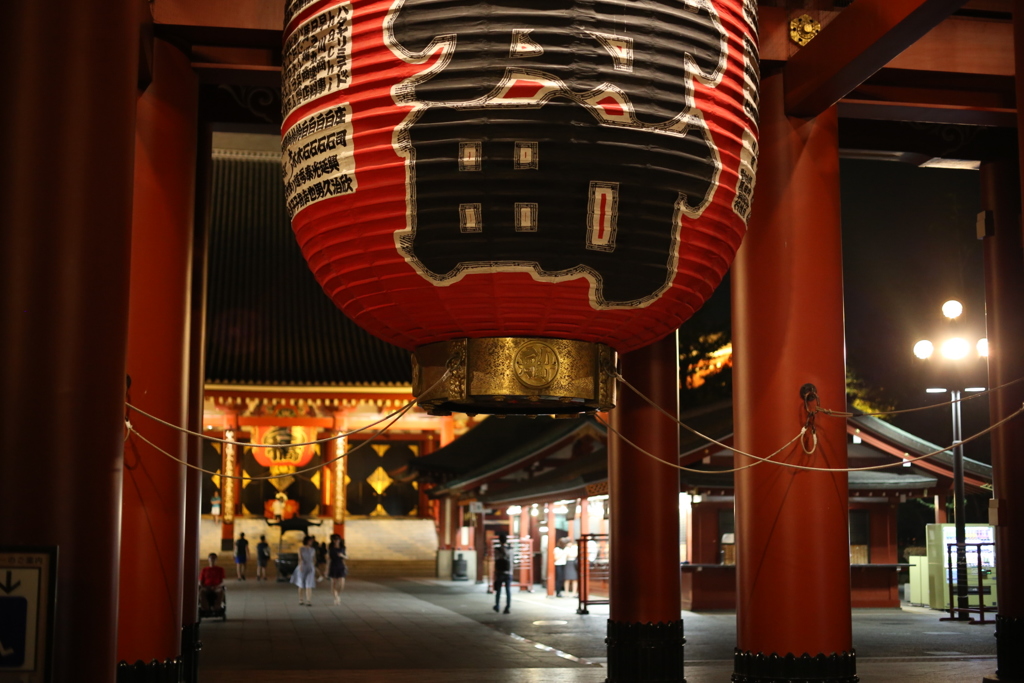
column 908, row 245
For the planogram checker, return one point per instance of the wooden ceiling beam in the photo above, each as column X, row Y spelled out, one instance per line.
column 242, row 23
column 874, row 110
column 862, row 39
column 252, row 15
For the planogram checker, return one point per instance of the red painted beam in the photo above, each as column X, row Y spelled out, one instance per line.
column 246, row 15
column 233, row 23
column 862, row 39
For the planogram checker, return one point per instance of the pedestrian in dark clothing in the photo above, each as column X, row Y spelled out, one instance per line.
column 241, row 556
column 262, row 558
column 503, row 573
column 337, row 569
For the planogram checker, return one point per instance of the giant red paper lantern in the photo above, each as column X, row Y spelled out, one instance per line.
column 516, row 190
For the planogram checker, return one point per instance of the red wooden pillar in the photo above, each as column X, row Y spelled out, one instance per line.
column 793, row 563
column 230, row 487
column 584, row 516
column 339, row 504
column 190, row 643
column 549, row 571
column 1004, row 291
column 480, row 544
column 66, row 140
column 425, row 506
column 153, row 497
column 446, row 539
column 525, row 550
column 645, row 632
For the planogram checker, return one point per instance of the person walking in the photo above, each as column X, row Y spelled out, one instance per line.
column 304, row 575
column 560, row 559
column 262, row 558
column 241, row 556
column 503, row 573
column 337, row 569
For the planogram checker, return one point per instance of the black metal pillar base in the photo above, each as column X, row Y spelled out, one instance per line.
column 191, row 645
column 1009, row 649
column 750, row 667
column 645, row 653
column 168, row 671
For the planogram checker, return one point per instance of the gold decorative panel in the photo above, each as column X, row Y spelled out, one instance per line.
column 379, row 480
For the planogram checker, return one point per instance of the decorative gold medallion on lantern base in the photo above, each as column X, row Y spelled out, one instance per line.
column 514, row 376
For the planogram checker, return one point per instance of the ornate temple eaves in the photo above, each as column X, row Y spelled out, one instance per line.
column 302, row 401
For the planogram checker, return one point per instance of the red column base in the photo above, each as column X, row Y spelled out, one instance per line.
column 645, row 653
column 141, row 672
column 1009, row 649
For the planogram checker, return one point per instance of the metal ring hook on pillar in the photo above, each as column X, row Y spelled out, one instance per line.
column 809, row 395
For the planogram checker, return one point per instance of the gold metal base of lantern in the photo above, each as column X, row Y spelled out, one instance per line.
column 514, row 376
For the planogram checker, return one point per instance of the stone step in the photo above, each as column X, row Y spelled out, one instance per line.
column 392, row 540
column 369, row 569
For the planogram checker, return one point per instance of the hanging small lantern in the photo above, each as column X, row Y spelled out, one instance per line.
column 516, row 193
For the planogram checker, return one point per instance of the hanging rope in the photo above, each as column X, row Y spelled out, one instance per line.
column 932, row 454
column 397, row 416
column 809, row 397
column 694, row 470
column 328, row 439
column 971, row 397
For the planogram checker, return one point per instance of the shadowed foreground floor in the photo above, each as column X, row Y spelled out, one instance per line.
column 427, row 631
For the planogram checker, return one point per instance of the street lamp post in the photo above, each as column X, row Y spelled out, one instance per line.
column 956, row 349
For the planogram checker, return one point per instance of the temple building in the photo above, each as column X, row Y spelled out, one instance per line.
column 412, row 273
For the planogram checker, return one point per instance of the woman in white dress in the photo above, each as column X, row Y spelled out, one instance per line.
column 304, row 575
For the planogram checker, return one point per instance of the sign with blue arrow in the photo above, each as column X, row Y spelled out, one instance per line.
column 27, row 592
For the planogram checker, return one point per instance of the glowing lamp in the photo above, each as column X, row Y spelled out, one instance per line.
column 515, row 193
column 955, row 348
column 924, row 349
column 952, row 309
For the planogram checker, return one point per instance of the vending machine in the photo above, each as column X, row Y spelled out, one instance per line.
column 980, row 549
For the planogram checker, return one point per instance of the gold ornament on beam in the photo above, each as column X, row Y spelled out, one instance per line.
column 802, row 29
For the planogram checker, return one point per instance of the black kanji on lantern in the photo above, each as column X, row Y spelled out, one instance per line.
column 559, row 138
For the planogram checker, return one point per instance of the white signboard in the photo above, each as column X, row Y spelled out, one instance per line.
column 27, row 588
column 318, row 159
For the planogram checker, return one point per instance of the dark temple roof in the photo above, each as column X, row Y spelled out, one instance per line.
column 916, row 446
column 497, row 444
column 569, row 480
column 268, row 321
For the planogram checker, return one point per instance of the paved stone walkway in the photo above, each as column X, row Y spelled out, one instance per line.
column 423, row 630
